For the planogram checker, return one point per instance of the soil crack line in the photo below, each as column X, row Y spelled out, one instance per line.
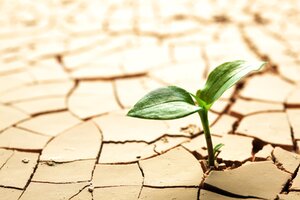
column 142, row 172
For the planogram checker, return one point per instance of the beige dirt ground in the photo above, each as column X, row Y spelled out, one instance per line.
column 70, row 70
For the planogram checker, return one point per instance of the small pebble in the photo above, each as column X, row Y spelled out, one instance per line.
column 25, row 160
column 50, row 163
column 222, row 166
column 191, row 129
column 91, row 188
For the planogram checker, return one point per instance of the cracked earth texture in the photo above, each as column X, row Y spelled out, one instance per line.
column 69, row 71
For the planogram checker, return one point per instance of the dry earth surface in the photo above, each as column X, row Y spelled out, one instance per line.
column 69, row 71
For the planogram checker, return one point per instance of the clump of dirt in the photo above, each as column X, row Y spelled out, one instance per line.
column 25, row 160
column 191, row 129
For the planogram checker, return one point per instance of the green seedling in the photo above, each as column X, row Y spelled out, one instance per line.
column 173, row 102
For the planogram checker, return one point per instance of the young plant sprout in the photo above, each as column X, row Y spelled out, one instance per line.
column 173, row 102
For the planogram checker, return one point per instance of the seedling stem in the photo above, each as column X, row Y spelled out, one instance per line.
column 205, row 124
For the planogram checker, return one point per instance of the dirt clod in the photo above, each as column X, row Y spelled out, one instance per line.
column 25, row 160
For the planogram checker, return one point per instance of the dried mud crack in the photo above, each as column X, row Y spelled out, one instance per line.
column 69, row 72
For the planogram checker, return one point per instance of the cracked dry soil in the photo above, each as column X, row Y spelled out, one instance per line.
column 69, row 71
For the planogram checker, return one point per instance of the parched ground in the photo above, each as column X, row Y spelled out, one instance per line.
column 69, row 71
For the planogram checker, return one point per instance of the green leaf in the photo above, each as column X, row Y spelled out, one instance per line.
column 224, row 77
column 216, row 149
column 164, row 103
